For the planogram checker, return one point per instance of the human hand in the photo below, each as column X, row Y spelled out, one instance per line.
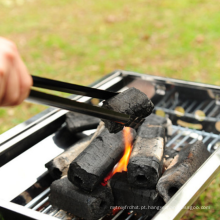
column 15, row 81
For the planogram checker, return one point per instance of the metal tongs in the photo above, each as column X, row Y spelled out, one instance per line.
column 71, row 105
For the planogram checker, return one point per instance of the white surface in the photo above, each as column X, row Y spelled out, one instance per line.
column 23, row 171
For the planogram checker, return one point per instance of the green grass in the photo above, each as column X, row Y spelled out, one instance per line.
column 81, row 41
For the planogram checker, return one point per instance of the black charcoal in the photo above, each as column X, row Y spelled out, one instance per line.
column 146, row 161
column 70, row 198
column 59, row 165
column 145, row 201
column 181, row 169
column 79, row 122
column 132, row 102
column 90, row 168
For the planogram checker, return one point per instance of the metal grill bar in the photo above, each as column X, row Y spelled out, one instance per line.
column 182, row 141
column 36, row 200
column 199, row 106
column 130, row 216
column 205, row 135
column 174, row 139
column 162, row 102
column 54, row 211
column 118, row 214
column 185, row 104
column 47, row 209
column 40, row 203
column 175, row 104
column 208, row 106
column 189, row 106
column 212, row 143
column 211, row 114
column 206, row 138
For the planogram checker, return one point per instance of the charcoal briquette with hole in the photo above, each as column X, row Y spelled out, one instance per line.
column 79, row 122
column 87, row 205
column 59, row 165
column 181, row 169
column 146, row 161
column 132, row 102
column 90, row 168
column 144, row 201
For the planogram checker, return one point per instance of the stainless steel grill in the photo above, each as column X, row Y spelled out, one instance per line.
column 42, row 148
column 179, row 136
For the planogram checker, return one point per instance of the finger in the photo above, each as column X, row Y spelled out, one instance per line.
column 25, row 80
column 3, row 74
column 12, row 89
column 8, row 73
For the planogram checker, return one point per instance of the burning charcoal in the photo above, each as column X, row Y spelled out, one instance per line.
column 181, row 169
column 97, row 160
column 59, row 165
column 86, row 205
column 147, row 200
column 132, row 102
column 146, row 161
column 79, row 122
column 169, row 155
column 153, row 119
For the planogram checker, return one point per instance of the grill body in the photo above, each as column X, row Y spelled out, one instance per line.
column 27, row 147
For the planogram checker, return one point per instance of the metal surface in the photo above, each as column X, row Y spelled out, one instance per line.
column 178, row 135
column 24, row 170
column 71, row 88
column 185, row 195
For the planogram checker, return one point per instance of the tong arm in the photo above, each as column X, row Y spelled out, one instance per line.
column 71, row 88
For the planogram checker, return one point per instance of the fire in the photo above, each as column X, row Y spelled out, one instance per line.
column 123, row 163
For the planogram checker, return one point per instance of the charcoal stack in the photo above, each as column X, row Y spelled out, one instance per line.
column 92, row 159
column 154, row 172
column 136, row 188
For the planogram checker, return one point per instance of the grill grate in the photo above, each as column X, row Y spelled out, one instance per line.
column 171, row 100
column 180, row 137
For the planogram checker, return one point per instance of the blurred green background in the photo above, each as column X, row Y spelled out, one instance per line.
column 81, row 41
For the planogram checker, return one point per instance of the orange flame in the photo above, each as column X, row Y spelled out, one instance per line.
column 123, row 163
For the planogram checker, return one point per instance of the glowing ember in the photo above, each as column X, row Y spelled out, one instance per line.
column 116, row 210
column 123, row 163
